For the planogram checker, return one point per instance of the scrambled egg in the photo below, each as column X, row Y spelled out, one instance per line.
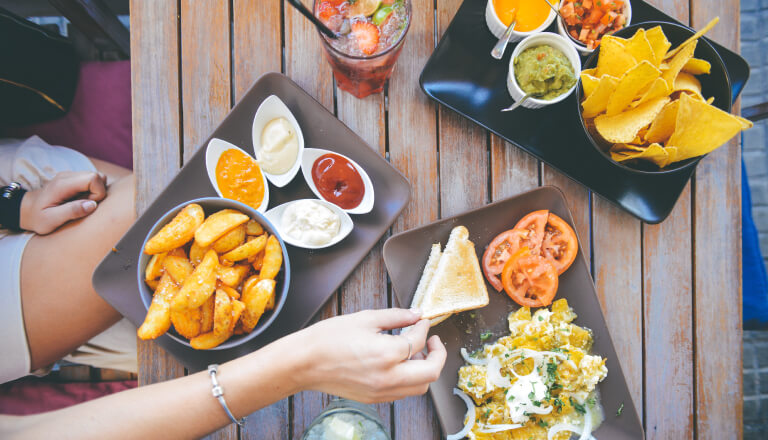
column 537, row 379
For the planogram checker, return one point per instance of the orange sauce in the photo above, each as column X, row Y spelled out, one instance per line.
column 239, row 178
column 530, row 13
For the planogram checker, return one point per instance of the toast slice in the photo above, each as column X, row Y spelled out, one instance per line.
column 457, row 283
column 426, row 278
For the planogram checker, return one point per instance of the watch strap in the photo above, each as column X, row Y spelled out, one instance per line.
column 10, row 205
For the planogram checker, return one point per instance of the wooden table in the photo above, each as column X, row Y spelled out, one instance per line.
column 671, row 292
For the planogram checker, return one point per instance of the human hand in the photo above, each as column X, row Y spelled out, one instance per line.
column 350, row 356
column 45, row 209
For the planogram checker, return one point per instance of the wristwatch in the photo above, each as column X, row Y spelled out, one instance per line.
column 10, row 205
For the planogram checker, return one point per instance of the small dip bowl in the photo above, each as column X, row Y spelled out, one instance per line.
column 556, row 42
column 212, row 154
column 562, row 29
column 272, row 108
column 349, row 415
column 497, row 27
column 211, row 205
column 308, row 160
column 275, row 215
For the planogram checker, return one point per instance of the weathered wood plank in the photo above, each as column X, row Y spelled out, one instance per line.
column 257, row 49
column 156, row 139
column 577, row 197
column 205, row 69
column 668, row 332
column 668, row 313
column 413, row 151
column 256, row 41
column 717, row 263
column 205, row 84
column 617, row 263
column 512, row 170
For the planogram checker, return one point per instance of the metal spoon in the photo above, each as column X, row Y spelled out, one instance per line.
column 501, row 45
column 520, row 102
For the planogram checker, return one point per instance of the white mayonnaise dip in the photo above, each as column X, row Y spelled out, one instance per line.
column 310, row 222
column 279, row 147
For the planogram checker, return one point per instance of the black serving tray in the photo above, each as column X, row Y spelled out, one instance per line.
column 315, row 274
column 461, row 75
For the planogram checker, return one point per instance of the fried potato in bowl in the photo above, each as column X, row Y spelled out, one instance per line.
column 192, row 273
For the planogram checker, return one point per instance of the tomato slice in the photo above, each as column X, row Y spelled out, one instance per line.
column 534, row 223
column 497, row 253
column 529, row 279
column 560, row 244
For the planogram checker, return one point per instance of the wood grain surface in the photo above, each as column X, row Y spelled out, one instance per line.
column 671, row 292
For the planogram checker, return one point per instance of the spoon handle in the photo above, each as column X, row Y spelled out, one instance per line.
column 501, row 45
column 517, row 104
column 307, row 13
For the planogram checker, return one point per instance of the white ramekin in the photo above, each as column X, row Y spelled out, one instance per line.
column 497, row 28
column 557, row 42
column 562, row 30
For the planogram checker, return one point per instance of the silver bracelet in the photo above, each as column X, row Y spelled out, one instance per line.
column 218, row 393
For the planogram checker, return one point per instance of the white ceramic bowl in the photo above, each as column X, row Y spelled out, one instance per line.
column 271, row 108
column 212, row 154
column 497, row 28
column 275, row 216
column 557, row 42
column 562, row 30
column 308, row 160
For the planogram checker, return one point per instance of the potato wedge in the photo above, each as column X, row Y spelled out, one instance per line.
column 253, row 228
column 250, row 282
column 178, row 232
column 246, row 250
column 178, row 267
column 218, row 224
column 196, row 253
column 255, row 300
column 155, row 267
column 232, row 276
column 233, row 294
column 273, row 259
column 187, row 322
column 199, row 285
column 257, row 260
column 178, row 252
column 152, row 284
column 158, row 319
column 222, row 313
column 206, row 315
column 230, row 240
column 210, row 340
column 270, row 302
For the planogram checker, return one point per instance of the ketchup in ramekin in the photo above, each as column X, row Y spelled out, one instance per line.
column 338, row 181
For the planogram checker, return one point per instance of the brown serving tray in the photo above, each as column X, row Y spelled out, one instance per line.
column 406, row 254
column 316, row 274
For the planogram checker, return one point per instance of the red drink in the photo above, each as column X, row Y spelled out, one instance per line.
column 371, row 35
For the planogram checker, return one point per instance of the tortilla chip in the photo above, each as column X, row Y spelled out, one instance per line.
column 630, row 85
column 589, row 83
column 695, row 66
column 640, row 48
column 654, row 153
column 624, row 126
column 693, row 38
column 626, row 148
column 678, row 61
column 658, row 42
column 597, row 102
column 688, row 83
column 711, row 99
column 613, row 58
column 701, row 128
column 663, row 125
column 657, row 89
column 672, row 152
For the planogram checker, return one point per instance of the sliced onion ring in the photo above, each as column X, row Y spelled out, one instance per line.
column 560, row 427
column 470, row 417
column 490, row 429
column 472, row 360
column 494, row 374
column 586, row 432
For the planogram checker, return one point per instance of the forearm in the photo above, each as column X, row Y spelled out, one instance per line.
column 181, row 408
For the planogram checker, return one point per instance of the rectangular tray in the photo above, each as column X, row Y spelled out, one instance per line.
column 462, row 76
column 316, row 274
column 405, row 255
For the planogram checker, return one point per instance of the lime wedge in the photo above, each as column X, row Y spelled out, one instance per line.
column 364, row 7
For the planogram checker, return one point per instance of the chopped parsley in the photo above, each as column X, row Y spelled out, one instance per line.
column 621, row 408
column 472, row 315
column 558, row 403
column 543, row 423
column 551, row 371
column 470, row 385
column 591, row 402
column 541, row 318
column 511, row 397
column 556, row 386
column 531, row 396
column 578, row 406
column 485, row 336
column 536, row 403
column 487, row 413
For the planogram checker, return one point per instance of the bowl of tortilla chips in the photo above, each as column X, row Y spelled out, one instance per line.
column 655, row 98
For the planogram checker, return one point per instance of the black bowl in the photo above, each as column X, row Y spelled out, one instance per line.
column 717, row 84
column 211, row 205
